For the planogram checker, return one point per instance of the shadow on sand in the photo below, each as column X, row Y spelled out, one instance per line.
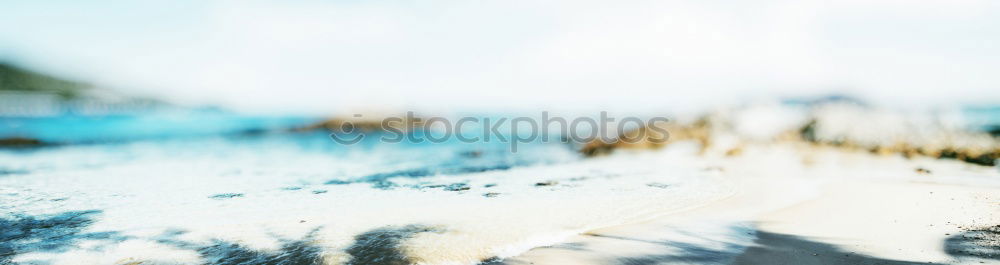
column 383, row 245
column 767, row 248
column 979, row 243
column 687, row 253
column 303, row 251
column 49, row 233
column 63, row 232
column 774, row 248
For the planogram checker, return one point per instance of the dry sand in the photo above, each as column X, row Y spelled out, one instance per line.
column 850, row 208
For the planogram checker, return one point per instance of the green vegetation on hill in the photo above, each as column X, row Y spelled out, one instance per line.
column 14, row 78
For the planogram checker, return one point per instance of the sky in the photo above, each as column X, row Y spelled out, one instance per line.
column 317, row 56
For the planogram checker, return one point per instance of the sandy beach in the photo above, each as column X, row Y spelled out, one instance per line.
column 874, row 210
column 563, row 132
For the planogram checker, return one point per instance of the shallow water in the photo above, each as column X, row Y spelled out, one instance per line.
column 220, row 196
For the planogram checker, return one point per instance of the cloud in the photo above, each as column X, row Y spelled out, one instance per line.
column 323, row 56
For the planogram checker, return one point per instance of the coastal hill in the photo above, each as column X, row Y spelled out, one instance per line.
column 14, row 78
column 29, row 93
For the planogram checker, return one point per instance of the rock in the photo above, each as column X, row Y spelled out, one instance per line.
column 384, row 185
column 471, row 154
column 364, row 124
column 457, row 187
column 546, row 183
column 840, row 123
column 226, row 196
column 658, row 185
column 735, row 151
column 647, row 137
column 13, row 172
column 491, row 194
column 337, row 182
column 987, row 159
column 253, row 132
column 994, row 130
column 20, row 142
column 883, row 132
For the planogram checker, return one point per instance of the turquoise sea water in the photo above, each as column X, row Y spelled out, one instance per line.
column 127, row 138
